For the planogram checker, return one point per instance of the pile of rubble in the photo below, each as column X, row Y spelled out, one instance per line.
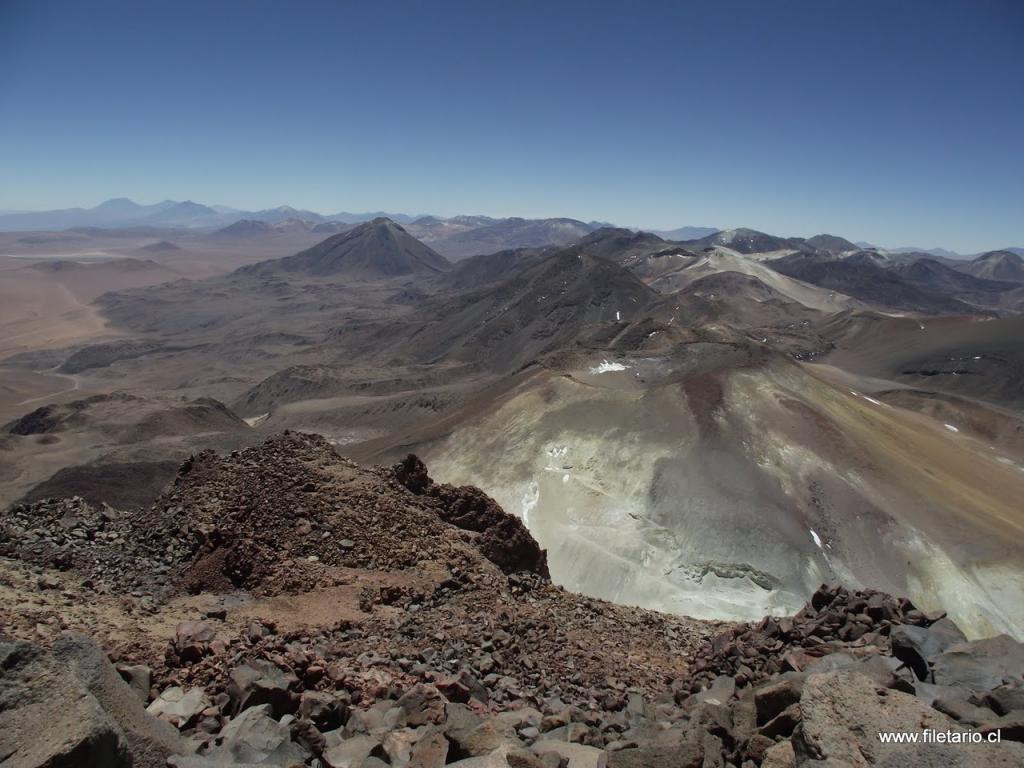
column 273, row 518
column 834, row 619
column 112, row 551
column 385, row 693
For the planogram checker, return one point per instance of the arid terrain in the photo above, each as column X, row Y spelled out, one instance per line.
column 662, row 408
column 646, row 457
column 511, row 385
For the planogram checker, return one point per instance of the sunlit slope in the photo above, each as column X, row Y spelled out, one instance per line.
column 724, row 490
column 726, row 260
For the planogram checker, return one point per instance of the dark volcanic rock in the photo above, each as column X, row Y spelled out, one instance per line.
column 504, row 539
column 918, row 646
column 981, row 665
column 69, row 707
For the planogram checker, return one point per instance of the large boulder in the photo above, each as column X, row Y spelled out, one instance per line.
column 353, row 752
column 69, row 708
column 917, row 646
column 844, row 713
column 503, row 539
column 260, row 682
column 253, row 738
column 981, row 665
column 179, row 707
column 578, row 755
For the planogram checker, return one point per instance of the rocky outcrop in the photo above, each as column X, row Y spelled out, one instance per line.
column 835, row 619
column 504, row 540
column 269, row 518
column 68, row 708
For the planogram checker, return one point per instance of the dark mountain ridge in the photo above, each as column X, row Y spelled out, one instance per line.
column 831, row 243
column 563, row 299
column 378, row 248
column 745, row 240
column 995, row 265
column 861, row 277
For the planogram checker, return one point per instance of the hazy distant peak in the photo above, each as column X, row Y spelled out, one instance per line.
column 118, row 205
column 831, row 243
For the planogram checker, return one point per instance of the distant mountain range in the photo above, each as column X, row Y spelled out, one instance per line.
column 941, row 253
column 120, row 212
column 683, row 233
column 456, row 237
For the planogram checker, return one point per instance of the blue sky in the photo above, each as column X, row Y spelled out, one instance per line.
column 895, row 122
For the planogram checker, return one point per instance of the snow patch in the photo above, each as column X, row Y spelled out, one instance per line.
column 529, row 502
column 605, row 367
column 951, row 428
column 817, row 538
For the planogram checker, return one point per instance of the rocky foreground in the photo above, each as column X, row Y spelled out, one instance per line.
column 282, row 606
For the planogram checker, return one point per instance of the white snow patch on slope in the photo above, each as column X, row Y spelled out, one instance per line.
column 605, row 367
column 816, row 537
column 951, row 428
column 529, row 501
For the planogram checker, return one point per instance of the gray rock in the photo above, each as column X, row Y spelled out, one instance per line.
column 917, row 646
column 578, row 755
column 886, row 671
column 431, row 751
column 843, row 713
column 398, row 746
column 422, row 705
column 520, row 718
column 712, row 748
column 351, row 753
column 781, row 755
column 496, row 759
column 781, row 692
column 179, row 707
column 980, row 665
column 963, row 711
column 721, row 691
column 260, row 682
column 139, row 677
column 459, row 722
column 325, row 710
column 784, row 723
column 70, row 707
column 255, row 737
column 487, row 737
column 1005, row 699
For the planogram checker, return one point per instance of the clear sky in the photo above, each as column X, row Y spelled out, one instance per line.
column 900, row 122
